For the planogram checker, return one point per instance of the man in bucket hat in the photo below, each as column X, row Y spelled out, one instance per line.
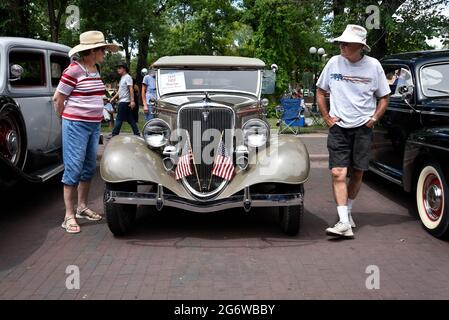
column 355, row 81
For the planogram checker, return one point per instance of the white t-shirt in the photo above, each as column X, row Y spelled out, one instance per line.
column 353, row 89
column 123, row 89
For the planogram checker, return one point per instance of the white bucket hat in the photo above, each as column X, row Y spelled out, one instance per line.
column 92, row 40
column 354, row 34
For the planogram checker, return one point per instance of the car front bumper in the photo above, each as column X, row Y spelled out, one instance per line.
column 246, row 201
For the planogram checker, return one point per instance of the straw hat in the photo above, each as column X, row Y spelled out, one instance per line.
column 354, row 34
column 92, row 40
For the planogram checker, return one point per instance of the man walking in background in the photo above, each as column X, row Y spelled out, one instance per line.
column 148, row 92
column 354, row 81
column 126, row 98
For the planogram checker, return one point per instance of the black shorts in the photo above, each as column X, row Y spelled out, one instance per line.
column 349, row 148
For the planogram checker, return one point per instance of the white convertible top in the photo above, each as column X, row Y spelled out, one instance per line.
column 208, row 61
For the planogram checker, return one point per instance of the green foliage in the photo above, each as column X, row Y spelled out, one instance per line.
column 276, row 31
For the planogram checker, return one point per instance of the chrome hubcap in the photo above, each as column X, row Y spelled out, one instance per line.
column 12, row 144
column 433, row 197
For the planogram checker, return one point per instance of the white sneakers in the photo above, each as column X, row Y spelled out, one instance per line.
column 351, row 222
column 341, row 229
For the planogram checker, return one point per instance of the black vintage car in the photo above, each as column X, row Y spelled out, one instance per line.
column 411, row 141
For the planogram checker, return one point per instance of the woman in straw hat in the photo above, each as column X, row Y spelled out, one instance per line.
column 78, row 100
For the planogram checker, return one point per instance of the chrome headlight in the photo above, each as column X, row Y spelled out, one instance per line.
column 256, row 133
column 156, row 133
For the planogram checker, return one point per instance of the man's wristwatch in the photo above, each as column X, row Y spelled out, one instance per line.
column 373, row 119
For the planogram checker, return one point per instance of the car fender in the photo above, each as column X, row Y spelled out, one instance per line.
column 422, row 145
column 128, row 158
column 10, row 174
column 285, row 160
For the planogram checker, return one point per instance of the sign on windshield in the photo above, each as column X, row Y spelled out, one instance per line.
column 171, row 81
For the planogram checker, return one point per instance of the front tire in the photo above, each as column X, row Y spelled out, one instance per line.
column 290, row 217
column 120, row 217
column 432, row 200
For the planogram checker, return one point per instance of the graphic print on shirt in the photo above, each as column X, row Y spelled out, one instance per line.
column 352, row 79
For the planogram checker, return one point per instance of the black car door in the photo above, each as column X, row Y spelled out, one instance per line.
column 392, row 130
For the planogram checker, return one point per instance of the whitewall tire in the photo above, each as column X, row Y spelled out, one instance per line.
column 432, row 199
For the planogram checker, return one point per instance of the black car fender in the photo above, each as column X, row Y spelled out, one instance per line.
column 9, row 172
column 422, row 146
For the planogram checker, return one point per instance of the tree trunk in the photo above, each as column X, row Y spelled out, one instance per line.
column 380, row 48
column 127, row 52
column 52, row 20
column 142, row 57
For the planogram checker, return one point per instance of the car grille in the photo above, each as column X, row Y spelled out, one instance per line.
column 217, row 118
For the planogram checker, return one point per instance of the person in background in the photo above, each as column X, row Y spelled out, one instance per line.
column 108, row 110
column 78, row 100
column 127, row 102
column 148, row 92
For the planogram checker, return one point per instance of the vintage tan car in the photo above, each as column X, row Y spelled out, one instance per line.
column 208, row 148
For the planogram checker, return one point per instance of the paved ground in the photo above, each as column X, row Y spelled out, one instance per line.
column 226, row 255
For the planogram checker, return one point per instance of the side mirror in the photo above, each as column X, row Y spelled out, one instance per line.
column 16, row 72
column 406, row 91
column 268, row 81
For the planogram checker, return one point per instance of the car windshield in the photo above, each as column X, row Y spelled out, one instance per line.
column 435, row 80
column 171, row 81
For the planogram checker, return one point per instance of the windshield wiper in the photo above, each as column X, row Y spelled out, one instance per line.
column 438, row 90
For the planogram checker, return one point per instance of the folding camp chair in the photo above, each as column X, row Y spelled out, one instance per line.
column 317, row 119
column 289, row 115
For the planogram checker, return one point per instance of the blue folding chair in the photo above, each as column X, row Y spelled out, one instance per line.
column 289, row 115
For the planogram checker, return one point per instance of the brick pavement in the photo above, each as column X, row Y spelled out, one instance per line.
column 226, row 255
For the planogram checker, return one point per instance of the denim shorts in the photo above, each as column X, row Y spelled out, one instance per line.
column 79, row 150
column 349, row 147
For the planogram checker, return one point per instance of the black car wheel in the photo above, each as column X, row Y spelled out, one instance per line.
column 432, row 199
column 120, row 217
column 290, row 218
column 12, row 140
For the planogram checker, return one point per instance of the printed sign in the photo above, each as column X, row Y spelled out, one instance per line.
column 172, row 82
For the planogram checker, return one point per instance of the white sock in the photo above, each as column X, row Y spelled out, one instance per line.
column 350, row 202
column 343, row 214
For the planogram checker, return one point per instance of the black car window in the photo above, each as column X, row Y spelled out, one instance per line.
column 397, row 77
column 435, row 80
column 33, row 64
column 58, row 63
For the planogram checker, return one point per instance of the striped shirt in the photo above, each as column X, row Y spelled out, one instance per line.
column 84, row 91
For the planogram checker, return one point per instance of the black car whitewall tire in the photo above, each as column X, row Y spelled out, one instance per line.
column 432, row 199
column 120, row 217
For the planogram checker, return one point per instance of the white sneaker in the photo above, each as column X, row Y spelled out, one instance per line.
column 351, row 222
column 341, row 229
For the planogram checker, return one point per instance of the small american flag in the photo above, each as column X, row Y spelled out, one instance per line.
column 183, row 169
column 223, row 166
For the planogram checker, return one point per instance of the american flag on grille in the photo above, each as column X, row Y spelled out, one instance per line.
column 223, row 166
column 183, row 169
